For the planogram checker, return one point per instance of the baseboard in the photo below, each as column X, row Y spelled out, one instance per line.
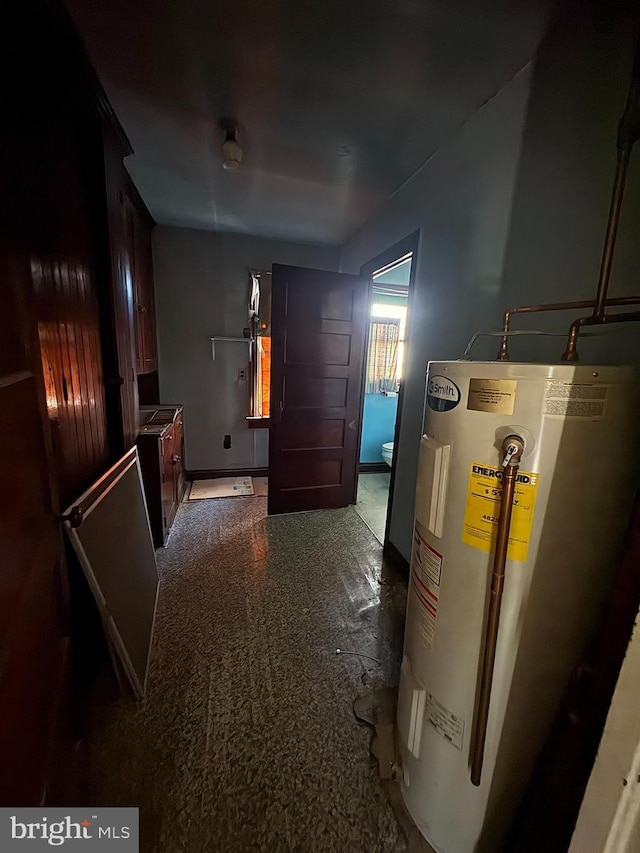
column 215, row 473
column 395, row 558
column 373, row 468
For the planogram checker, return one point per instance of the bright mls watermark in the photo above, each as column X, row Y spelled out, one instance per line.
column 71, row 829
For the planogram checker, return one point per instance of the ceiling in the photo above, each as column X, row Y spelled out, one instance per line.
column 339, row 101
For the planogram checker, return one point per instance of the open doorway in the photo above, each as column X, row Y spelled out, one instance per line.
column 391, row 276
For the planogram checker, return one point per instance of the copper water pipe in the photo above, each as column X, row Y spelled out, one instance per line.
column 622, row 166
column 628, row 135
column 509, row 477
column 571, row 352
column 503, row 353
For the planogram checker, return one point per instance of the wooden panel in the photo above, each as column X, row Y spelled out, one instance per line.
column 169, row 489
column 54, row 272
column 305, row 347
column 149, row 388
column 311, row 306
column 23, row 504
column 302, row 391
column 299, row 434
column 139, row 228
column 64, row 265
column 33, row 616
column 312, row 473
column 318, row 325
column 152, row 474
column 150, row 351
column 122, row 387
column 178, row 460
column 161, row 461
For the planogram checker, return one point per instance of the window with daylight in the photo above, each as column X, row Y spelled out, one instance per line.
column 260, row 327
column 386, row 347
column 382, row 359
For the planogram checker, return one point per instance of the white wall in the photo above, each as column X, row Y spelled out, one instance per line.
column 512, row 211
column 460, row 201
column 201, row 281
column 564, row 182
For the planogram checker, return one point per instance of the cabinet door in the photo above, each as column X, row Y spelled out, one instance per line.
column 168, row 480
column 178, row 459
column 139, row 226
column 146, row 291
column 132, row 240
column 120, row 376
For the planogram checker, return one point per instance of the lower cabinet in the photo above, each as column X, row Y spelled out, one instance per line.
column 160, row 447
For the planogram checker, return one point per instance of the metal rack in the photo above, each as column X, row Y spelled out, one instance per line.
column 230, row 339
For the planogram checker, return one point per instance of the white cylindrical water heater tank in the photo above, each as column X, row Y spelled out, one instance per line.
column 581, row 431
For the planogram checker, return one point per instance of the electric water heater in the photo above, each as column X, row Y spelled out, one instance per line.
column 506, row 590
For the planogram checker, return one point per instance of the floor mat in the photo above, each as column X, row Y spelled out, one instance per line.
column 223, row 487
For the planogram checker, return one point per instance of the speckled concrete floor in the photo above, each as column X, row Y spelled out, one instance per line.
column 372, row 500
column 246, row 740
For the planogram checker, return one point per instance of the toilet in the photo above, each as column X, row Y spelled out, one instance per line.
column 387, row 452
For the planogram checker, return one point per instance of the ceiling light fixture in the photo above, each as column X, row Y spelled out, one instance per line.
column 231, row 150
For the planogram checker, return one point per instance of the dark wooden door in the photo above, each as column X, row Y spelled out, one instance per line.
column 318, row 325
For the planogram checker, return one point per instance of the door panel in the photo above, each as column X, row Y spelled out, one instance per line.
column 313, row 473
column 305, row 434
column 311, row 392
column 318, row 327
column 317, row 348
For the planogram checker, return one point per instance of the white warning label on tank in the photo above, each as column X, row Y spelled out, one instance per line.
column 426, row 574
column 570, row 400
column 427, row 559
column 447, row 725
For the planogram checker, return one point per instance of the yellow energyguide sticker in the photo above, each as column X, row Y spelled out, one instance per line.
column 483, row 506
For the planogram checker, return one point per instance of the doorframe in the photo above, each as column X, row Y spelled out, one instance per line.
column 407, row 244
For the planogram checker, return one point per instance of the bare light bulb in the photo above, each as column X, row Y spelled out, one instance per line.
column 231, row 154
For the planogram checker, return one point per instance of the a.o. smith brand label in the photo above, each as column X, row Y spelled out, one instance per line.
column 442, row 394
column 79, row 829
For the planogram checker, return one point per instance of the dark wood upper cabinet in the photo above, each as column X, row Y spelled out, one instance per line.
column 120, row 381
column 132, row 310
column 139, row 228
